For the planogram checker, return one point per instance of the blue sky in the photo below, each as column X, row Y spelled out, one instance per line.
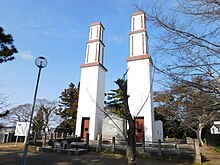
column 58, row 30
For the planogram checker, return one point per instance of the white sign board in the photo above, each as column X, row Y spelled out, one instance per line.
column 21, row 128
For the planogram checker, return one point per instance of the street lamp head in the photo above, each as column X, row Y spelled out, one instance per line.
column 41, row 62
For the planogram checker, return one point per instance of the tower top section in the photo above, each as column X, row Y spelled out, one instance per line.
column 138, row 38
column 96, row 31
column 138, row 21
column 95, row 46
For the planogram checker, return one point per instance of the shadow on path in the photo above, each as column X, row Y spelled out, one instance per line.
column 210, row 156
column 9, row 155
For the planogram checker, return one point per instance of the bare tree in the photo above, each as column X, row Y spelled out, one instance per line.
column 3, row 105
column 3, row 112
column 188, row 37
column 47, row 108
column 130, row 134
column 190, row 107
column 190, row 40
column 43, row 118
column 130, row 137
column 20, row 113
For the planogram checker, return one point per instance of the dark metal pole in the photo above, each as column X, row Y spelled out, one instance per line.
column 24, row 160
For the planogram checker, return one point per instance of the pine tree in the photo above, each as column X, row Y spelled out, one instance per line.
column 38, row 121
column 68, row 108
column 7, row 49
column 115, row 102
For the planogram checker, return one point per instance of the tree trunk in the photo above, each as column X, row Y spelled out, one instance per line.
column 199, row 134
column 131, row 146
column 130, row 155
column 44, row 138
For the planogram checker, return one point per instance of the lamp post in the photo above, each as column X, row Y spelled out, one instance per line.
column 40, row 62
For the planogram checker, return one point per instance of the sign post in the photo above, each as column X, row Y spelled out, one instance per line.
column 21, row 130
column 16, row 141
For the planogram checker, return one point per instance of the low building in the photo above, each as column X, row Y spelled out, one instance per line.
column 7, row 134
column 215, row 129
column 113, row 126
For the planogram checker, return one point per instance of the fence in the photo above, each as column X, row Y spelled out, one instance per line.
column 213, row 139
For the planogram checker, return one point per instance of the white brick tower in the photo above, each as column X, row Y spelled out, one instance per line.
column 92, row 86
column 139, row 65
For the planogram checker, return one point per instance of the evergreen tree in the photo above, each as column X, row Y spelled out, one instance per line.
column 38, row 121
column 115, row 102
column 68, row 108
column 7, row 49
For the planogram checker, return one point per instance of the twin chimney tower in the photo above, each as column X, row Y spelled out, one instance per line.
column 139, row 83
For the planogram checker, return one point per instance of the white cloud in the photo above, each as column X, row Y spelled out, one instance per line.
column 116, row 39
column 26, row 55
column 59, row 33
column 32, row 22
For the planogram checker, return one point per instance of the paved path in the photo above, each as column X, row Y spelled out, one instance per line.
column 210, row 155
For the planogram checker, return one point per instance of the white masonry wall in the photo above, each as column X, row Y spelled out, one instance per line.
column 92, row 83
column 110, row 130
column 140, row 100
column 138, row 44
column 91, row 99
column 100, row 100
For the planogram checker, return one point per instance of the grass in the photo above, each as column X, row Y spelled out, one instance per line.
column 108, row 154
column 217, row 149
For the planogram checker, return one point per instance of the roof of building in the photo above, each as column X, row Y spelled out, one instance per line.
column 216, row 125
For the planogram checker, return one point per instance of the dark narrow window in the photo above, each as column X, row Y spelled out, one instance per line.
column 133, row 23
column 87, row 56
column 97, row 32
column 99, row 53
column 143, row 47
column 102, row 55
column 132, row 47
column 102, row 35
column 142, row 25
column 96, row 51
column 91, row 33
